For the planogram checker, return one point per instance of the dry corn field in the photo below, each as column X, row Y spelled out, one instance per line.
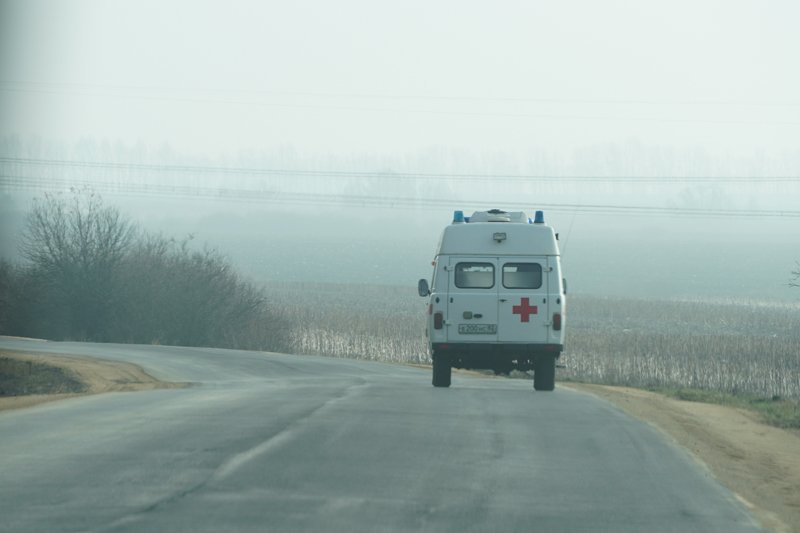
column 732, row 347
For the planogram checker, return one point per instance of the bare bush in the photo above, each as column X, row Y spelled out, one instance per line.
column 6, row 282
column 176, row 295
column 75, row 246
column 92, row 276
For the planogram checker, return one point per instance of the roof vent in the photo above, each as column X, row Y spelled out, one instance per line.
column 498, row 215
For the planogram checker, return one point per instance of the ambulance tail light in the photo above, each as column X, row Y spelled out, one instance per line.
column 556, row 321
column 438, row 320
column 430, row 309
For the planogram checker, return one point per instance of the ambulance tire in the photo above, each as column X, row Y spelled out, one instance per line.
column 441, row 372
column 544, row 374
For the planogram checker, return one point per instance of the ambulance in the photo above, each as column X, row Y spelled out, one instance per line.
column 497, row 297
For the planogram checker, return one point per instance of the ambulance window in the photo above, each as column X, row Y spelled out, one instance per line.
column 474, row 275
column 522, row 275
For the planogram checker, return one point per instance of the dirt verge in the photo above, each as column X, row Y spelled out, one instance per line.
column 759, row 463
column 68, row 376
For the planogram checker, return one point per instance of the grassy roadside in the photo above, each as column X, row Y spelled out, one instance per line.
column 23, row 378
column 31, row 378
column 775, row 411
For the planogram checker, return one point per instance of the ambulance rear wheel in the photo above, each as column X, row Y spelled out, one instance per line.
column 441, row 371
column 544, row 373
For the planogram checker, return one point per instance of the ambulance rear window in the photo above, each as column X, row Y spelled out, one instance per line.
column 522, row 275
column 474, row 275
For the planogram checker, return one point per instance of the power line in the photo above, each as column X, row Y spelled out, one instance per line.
column 396, row 202
column 207, row 169
column 514, row 115
column 20, row 84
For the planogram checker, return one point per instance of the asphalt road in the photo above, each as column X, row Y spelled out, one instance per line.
column 266, row 442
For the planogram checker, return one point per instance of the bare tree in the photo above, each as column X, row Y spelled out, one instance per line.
column 795, row 281
column 91, row 275
column 6, row 282
column 76, row 245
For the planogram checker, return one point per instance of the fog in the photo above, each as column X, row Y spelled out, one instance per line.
column 319, row 142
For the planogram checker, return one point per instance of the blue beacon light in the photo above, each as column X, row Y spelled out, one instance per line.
column 539, row 219
column 458, row 217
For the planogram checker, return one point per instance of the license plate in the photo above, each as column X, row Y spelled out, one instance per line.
column 477, row 329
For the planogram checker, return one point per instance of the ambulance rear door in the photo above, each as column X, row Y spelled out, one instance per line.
column 472, row 299
column 523, row 299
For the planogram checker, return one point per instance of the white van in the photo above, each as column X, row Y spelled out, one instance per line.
column 497, row 297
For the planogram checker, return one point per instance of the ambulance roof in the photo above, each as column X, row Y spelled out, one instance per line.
column 498, row 238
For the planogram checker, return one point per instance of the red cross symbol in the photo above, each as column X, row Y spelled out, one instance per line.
column 524, row 310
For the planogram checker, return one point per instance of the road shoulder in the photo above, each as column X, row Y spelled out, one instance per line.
column 757, row 462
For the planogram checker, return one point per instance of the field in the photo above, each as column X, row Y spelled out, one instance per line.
column 741, row 348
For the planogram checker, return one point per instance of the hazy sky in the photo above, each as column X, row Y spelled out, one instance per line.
column 614, row 88
column 357, row 76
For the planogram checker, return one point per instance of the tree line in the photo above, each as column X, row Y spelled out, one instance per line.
column 90, row 273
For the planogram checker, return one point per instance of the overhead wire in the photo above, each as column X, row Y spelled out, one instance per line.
column 375, row 201
column 21, row 84
column 400, row 175
column 338, row 107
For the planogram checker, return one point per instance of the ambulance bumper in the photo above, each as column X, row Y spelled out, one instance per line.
column 464, row 349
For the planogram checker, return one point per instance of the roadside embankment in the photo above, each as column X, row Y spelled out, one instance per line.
column 28, row 378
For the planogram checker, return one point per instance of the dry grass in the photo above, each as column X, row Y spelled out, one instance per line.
column 21, row 378
column 352, row 321
column 735, row 348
